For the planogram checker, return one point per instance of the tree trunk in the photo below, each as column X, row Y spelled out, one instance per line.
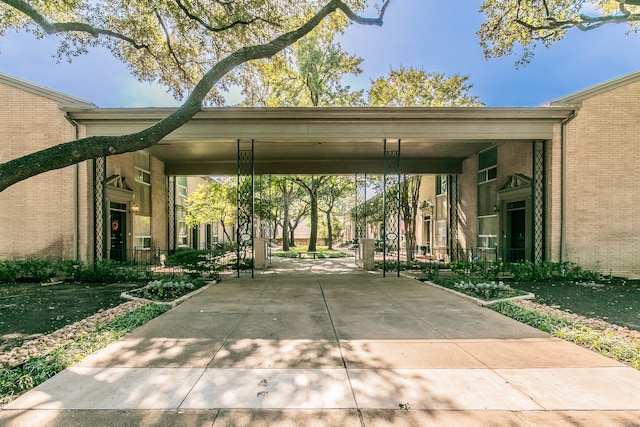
column 329, row 231
column 313, row 234
column 285, row 228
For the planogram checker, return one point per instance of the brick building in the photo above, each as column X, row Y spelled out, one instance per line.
column 592, row 198
column 557, row 182
column 52, row 215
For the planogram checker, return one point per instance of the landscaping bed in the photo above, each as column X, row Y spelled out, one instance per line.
column 28, row 310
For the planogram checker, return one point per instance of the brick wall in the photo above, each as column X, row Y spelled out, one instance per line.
column 36, row 215
column 603, row 172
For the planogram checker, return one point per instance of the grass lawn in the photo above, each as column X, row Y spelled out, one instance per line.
column 322, row 253
column 617, row 301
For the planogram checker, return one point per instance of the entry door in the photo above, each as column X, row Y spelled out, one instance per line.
column 516, row 231
column 118, row 236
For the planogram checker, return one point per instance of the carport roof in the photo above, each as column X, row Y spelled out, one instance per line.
column 327, row 140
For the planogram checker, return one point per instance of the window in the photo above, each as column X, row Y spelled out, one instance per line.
column 487, row 198
column 181, row 198
column 142, row 221
column 142, row 225
column 442, row 210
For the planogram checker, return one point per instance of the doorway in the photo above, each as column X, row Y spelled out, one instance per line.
column 118, row 241
column 516, row 231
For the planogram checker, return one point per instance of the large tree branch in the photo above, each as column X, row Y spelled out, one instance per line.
column 67, row 27
column 70, row 153
column 221, row 28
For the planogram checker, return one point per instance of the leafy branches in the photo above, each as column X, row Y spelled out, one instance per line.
column 523, row 24
column 202, row 59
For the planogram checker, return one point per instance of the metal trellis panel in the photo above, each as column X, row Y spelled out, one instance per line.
column 171, row 212
column 453, row 216
column 539, row 200
column 391, row 209
column 360, row 211
column 246, row 208
column 99, row 207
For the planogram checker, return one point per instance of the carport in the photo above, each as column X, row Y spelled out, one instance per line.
column 250, row 142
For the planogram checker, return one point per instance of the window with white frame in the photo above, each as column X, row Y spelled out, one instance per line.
column 181, row 214
column 488, row 198
column 142, row 220
column 442, row 213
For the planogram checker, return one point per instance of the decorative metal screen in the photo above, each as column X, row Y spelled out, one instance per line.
column 360, row 211
column 539, row 200
column 391, row 208
column 246, row 208
column 171, row 213
column 99, row 208
column 453, row 217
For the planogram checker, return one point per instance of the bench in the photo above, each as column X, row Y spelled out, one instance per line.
column 314, row 254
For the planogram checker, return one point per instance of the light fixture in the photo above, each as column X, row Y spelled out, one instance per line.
column 134, row 209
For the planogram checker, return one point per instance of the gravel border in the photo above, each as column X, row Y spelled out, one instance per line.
column 44, row 344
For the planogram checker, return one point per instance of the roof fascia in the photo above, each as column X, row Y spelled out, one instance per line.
column 577, row 97
column 65, row 101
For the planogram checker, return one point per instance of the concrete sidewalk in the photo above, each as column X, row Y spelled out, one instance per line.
column 315, row 342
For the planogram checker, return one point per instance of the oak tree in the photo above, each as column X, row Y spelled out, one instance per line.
column 188, row 45
column 519, row 26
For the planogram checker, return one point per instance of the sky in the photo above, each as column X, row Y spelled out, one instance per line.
column 435, row 35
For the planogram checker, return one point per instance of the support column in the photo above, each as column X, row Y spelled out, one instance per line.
column 246, row 208
column 539, row 200
column 171, row 213
column 391, row 209
column 99, row 208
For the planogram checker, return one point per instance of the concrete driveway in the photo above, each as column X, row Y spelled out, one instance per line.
column 315, row 342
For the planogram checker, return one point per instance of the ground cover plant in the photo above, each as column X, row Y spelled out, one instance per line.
column 321, row 253
column 606, row 343
column 167, row 289
column 18, row 379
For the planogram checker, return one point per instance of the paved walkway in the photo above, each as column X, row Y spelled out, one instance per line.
column 317, row 343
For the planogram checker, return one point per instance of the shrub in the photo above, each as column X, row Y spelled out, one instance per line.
column 108, row 271
column 198, row 262
column 167, row 289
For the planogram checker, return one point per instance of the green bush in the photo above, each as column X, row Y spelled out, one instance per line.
column 198, row 262
column 108, row 271
column 167, row 289
column 566, row 271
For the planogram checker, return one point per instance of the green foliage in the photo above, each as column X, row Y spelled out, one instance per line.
column 605, row 343
column 30, row 270
column 537, row 320
column 18, row 379
column 198, row 262
column 477, row 270
column 487, row 291
column 515, row 27
column 431, row 270
column 107, row 271
column 167, row 289
column 409, row 87
column 566, row 271
column 321, row 253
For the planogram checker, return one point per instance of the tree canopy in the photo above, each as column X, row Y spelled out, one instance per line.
column 517, row 27
column 188, row 45
column 408, row 87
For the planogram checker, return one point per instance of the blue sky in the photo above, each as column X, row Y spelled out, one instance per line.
column 439, row 36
